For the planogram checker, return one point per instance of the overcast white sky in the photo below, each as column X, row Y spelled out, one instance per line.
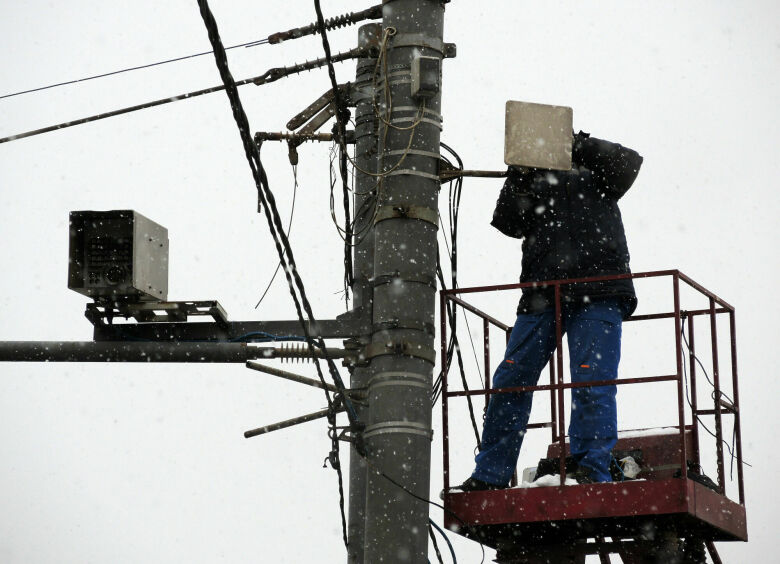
column 147, row 463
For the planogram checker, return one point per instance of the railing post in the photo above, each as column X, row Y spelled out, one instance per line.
column 737, row 413
column 553, row 411
column 694, row 401
column 559, row 388
column 680, row 390
column 486, row 346
column 716, row 384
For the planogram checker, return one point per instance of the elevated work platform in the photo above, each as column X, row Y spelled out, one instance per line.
column 669, row 513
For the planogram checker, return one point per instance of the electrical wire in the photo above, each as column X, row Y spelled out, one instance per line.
column 139, row 67
column 424, row 500
column 341, row 119
column 360, row 213
column 289, row 227
column 434, row 543
column 331, row 23
column 341, row 128
column 269, row 76
column 464, row 381
column 446, row 539
column 453, row 346
column 282, row 244
column 263, row 338
column 730, row 448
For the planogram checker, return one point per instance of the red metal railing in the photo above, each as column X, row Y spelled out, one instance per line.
column 556, row 387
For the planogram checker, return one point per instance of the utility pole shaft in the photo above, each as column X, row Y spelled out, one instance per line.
column 398, row 432
column 366, row 138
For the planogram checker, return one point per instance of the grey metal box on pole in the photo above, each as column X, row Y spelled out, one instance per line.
column 119, row 255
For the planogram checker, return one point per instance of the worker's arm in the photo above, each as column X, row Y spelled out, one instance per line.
column 613, row 166
column 514, row 214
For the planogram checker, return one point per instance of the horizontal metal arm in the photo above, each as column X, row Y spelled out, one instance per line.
column 291, row 376
column 118, row 351
column 290, row 422
column 451, row 174
column 246, row 331
column 107, row 351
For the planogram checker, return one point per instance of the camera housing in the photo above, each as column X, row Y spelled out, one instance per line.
column 118, row 255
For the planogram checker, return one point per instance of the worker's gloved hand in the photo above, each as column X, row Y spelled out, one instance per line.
column 577, row 145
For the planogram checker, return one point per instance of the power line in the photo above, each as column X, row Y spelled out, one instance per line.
column 271, row 75
column 128, row 69
column 332, row 23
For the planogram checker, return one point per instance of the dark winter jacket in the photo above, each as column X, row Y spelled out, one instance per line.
column 570, row 223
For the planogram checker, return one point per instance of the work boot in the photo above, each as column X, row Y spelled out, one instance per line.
column 582, row 475
column 474, row 485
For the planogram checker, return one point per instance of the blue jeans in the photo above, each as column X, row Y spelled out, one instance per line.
column 594, row 331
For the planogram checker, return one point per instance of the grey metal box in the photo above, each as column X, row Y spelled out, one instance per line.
column 118, row 254
column 538, row 135
column 426, row 76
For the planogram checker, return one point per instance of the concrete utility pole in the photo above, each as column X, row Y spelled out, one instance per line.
column 398, row 432
column 366, row 138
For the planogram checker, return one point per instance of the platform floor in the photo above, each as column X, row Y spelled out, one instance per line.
column 619, row 510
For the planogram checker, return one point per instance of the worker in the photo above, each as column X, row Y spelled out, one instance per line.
column 571, row 227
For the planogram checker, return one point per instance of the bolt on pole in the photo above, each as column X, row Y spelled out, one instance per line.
column 398, row 432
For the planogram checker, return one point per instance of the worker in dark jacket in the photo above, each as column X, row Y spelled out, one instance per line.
column 571, row 228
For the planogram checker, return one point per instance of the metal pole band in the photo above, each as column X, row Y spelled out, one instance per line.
column 415, row 110
column 410, row 172
column 398, row 276
column 402, row 211
column 413, row 324
column 400, row 347
column 417, row 152
column 416, row 120
column 405, row 427
column 417, row 40
column 408, row 383
column 400, row 378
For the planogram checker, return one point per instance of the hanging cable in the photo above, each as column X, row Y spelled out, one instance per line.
column 730, row 448
column 451, row 318
column 434, row 543
column 282, row 246
column 289, row 228
column 432, row 523
column 424, row 500
column 342, row 116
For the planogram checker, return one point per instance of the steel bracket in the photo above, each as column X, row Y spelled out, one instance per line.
column 447, row 50
column 151, row 312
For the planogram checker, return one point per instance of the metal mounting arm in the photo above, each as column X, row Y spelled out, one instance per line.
column 290, row 422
